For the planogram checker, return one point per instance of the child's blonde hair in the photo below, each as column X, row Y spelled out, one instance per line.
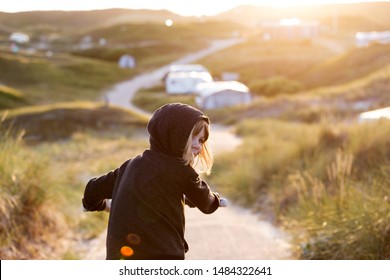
column 205, row 157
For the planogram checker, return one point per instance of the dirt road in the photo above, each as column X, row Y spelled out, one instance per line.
column 229, row 233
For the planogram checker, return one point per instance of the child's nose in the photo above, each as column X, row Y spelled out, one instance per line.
column 196, row 144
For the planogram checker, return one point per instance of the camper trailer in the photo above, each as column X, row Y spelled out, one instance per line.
column 374, row 115
column 184, row 68
column 185, row 82
column 187, row 68
column 222, row 94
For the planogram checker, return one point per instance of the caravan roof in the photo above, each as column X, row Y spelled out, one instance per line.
column 206, row 89
column 192, row 74
column 187, row 68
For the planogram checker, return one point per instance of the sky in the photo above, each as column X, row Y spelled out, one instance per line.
column 181, row 7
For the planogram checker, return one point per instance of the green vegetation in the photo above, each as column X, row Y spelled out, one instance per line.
column 152, row 98
column 257, row 60
column 42, row 184
column 354, row 64
column 10, row 98
column 327, row 184
column 178, row 33
column 274, row 86
column 59, row 78
column 27, row 204
column 62, row 120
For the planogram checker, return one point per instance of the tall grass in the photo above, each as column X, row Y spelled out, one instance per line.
column 10, row 98
column 41, row 184
column 30, row 225
column 340, row 218
column 326, row 184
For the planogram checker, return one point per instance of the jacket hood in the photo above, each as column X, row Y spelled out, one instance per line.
column 170, row 127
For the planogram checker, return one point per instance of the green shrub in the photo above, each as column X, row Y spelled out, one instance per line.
column 327, row 184
column 274, row 86
column 27, row 215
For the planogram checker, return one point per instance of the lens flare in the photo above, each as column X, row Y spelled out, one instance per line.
column 133, row 238
column 126, row 251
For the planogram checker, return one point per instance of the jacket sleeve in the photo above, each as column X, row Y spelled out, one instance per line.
column 200, row 195
column 101, row 188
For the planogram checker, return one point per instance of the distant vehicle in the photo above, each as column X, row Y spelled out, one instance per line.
column 222, row 94
column 185, row 82
column 364, row 39
column 19, row 37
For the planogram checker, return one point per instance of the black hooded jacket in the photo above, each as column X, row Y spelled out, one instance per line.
column 147, row 211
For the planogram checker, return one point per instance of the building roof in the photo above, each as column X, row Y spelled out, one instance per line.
column 187, row 68
column 191, row 74
column 383, row 113
column 207, row 89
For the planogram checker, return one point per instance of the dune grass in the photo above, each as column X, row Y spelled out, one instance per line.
column 31, row 223
column 42, row 181
column 327, row 185
column 10, row 97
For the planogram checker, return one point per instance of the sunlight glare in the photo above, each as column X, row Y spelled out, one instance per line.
column 169, row 22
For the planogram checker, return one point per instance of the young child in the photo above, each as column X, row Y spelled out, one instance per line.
column 149, row 191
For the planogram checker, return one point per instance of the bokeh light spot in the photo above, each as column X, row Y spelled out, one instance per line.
column 126, row 251
column 133, row 238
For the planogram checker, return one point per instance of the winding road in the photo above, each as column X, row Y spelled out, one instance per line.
column 229, row 233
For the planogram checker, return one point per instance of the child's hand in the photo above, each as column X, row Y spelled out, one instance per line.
column 108, row 205
column 223, row 202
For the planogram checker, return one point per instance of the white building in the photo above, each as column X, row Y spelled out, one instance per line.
column 222, row 94
column 126, row 61
column 373, row 115
column 187, row 68
column 20, row 38
column 184, row 68
column 185, row 82
column 363, row 39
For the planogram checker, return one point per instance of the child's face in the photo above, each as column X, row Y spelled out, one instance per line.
column 197, row 142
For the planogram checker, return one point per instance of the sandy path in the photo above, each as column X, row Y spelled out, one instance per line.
column 229, row 233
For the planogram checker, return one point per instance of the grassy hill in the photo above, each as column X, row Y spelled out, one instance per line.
column 354, row 64
column 157, row 32
column 63, row 20
column 61, row 77
column 151, row 42
column 61, row 120
column 256, row 60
